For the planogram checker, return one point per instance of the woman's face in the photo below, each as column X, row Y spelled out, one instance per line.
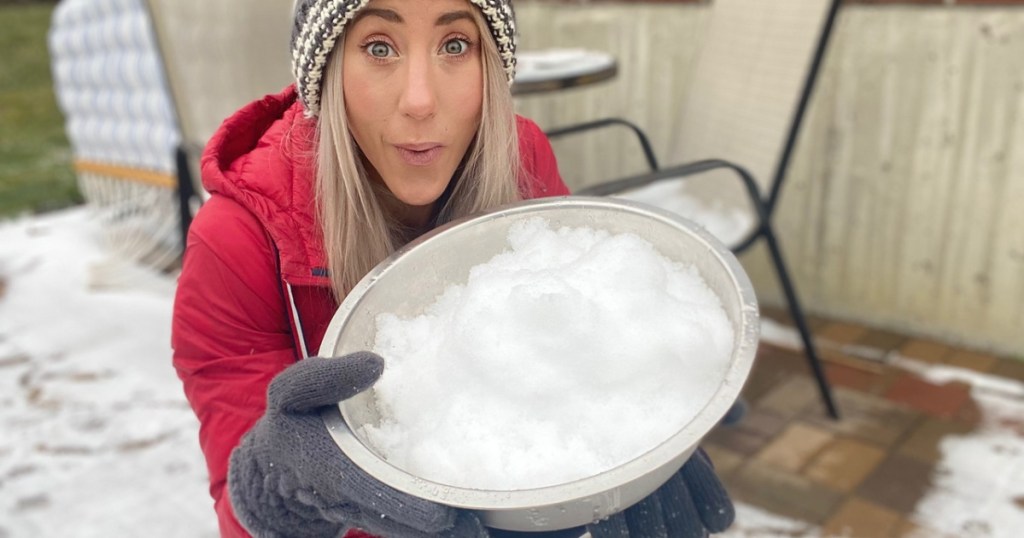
column 413, row 86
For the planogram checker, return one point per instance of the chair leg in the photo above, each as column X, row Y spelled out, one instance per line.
column 186, row 192
column 801, row 322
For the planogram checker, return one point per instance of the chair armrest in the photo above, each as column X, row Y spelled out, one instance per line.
column 689, row 169
column 645, row 144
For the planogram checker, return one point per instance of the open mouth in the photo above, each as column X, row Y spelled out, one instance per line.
column 420, row 154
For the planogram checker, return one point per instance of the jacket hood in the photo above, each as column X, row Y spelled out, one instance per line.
column 262, row 157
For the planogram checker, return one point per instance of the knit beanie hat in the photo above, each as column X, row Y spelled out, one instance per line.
column 319, row 23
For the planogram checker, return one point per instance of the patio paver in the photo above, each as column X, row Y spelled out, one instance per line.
column 783, row 493
column 858, row 518
column 942, row 401
column 844, row 464
column 794, row 447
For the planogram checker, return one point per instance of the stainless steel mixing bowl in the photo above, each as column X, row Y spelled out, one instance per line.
column 414, row 277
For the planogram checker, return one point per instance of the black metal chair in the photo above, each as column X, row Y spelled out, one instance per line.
column 778, row 44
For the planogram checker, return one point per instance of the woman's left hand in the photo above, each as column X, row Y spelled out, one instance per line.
column 693, row 503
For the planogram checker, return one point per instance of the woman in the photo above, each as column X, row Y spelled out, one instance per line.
column 400, row 120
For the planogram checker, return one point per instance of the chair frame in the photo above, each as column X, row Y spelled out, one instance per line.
column 186, row 191
column 763, row 206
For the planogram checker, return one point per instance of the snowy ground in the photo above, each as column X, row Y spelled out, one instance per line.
column 96, row 439
column 979, row 482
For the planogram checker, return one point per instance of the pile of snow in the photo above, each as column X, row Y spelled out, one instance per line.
column 569, row 354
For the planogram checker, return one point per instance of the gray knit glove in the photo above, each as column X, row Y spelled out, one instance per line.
column 287, row 478
column 692, row 504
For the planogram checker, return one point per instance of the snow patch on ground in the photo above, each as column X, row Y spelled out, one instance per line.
column 98, row 438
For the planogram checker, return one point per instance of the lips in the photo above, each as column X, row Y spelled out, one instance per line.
column 420, row 154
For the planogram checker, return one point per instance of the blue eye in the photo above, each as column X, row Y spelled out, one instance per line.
column 456, row 46
column 379, row 49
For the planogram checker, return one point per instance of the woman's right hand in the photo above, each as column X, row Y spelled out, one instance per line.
column 289, row 478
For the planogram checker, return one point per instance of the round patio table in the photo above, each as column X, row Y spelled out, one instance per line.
column 539, row 71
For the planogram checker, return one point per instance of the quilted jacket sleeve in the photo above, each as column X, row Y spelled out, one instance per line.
column 230, row 334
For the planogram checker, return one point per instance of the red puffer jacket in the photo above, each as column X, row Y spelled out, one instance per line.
column 254, row 263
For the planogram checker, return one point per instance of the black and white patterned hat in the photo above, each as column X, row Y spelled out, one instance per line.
column 318, row 24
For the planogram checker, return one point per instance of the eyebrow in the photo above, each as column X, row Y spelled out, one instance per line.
column 386, row 14
column 452, row 16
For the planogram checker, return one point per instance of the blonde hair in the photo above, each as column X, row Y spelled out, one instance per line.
column 358, row 231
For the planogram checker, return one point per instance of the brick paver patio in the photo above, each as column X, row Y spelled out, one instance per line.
column 867, row 474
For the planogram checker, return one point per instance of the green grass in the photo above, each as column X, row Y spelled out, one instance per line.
column 35, row 159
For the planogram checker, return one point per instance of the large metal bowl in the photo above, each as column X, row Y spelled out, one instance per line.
column 413, row 278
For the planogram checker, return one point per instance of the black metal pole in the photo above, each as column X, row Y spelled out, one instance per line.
column 801, row 322
column 801, row 107
column 186, row 192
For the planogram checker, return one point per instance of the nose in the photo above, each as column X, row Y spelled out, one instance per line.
column 419, row 96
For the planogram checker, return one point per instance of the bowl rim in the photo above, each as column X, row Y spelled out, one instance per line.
column 682, row 442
